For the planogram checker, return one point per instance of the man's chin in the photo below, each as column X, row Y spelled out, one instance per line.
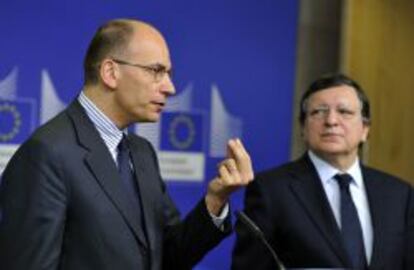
column 331, row 149
column 150, row 119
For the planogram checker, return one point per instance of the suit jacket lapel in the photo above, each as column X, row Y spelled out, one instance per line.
column 103, row 167
column 143, row 178
column 378, row 210
column 309, row 191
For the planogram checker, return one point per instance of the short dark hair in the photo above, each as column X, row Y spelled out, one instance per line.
column 111, row 38
column 332, row 80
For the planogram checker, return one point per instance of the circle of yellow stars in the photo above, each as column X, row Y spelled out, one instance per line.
column 181, row 120
column 17, row 122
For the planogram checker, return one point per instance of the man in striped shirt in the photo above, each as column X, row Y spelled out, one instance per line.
column 81, row 193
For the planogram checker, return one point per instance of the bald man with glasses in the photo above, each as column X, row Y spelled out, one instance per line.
column 82, row 193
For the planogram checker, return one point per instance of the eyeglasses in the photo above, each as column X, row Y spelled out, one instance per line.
column 322, row 112
column 157, row 71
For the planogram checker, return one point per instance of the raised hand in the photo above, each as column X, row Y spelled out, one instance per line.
column 234, row 172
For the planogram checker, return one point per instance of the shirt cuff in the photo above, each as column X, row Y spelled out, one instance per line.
column 219, row 220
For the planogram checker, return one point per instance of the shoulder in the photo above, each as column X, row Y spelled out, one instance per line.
column 48, row 142
column 54, row 130
column 275, row 183
column 43, row 152
column 387, row 181
column 383, row 176
column 51, row 132
column 285, row 172
column 55, row 134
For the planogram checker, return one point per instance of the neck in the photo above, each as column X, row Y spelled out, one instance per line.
column 341, row 162
column 101, row 97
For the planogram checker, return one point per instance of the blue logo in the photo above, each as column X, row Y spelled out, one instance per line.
column 15, row 124
column 182, row 131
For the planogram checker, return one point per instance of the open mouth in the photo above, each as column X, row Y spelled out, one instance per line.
column 160, row 105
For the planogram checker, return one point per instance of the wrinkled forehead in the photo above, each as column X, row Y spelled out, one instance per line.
column 342, row 95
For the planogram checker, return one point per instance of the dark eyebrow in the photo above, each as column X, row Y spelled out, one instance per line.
column 159, row 65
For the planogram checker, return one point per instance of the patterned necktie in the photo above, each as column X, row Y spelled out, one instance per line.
column 350, row 225
column 128, row 179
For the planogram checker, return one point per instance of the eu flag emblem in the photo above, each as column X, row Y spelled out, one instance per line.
column 16, row 120
column 182, row 131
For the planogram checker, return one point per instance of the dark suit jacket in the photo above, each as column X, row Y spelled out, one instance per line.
column 63, row 206
column 289, row 204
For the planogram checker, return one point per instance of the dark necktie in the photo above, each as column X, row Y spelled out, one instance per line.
column 350, row 225
column 128, row 179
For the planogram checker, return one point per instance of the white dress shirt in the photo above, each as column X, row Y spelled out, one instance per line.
column 358, row 192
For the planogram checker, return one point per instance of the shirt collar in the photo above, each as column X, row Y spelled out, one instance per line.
column 327, row 172
column 109, row 132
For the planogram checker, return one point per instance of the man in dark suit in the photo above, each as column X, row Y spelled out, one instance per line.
column 81, row 193
column 327, row 209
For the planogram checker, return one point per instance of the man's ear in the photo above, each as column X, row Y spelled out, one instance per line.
column 109, row 73
column 365, row 133
column 302, row 131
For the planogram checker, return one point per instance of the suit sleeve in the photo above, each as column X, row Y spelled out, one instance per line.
column 187, row 241
column 249, row 252
column 33, row 204
column 409, row 250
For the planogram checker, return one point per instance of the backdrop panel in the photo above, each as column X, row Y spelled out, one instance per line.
column 234, row 74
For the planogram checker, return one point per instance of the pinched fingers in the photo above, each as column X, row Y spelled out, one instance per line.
column 234, row 172
column 229, row 173
column 237, row 152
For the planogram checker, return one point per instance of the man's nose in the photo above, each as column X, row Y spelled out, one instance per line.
column 167, row 86
column 331, row 117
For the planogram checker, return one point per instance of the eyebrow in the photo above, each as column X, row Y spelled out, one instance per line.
column 332, row 105
column 161, row 65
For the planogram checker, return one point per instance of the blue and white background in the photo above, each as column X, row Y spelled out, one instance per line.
column 234, row 65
